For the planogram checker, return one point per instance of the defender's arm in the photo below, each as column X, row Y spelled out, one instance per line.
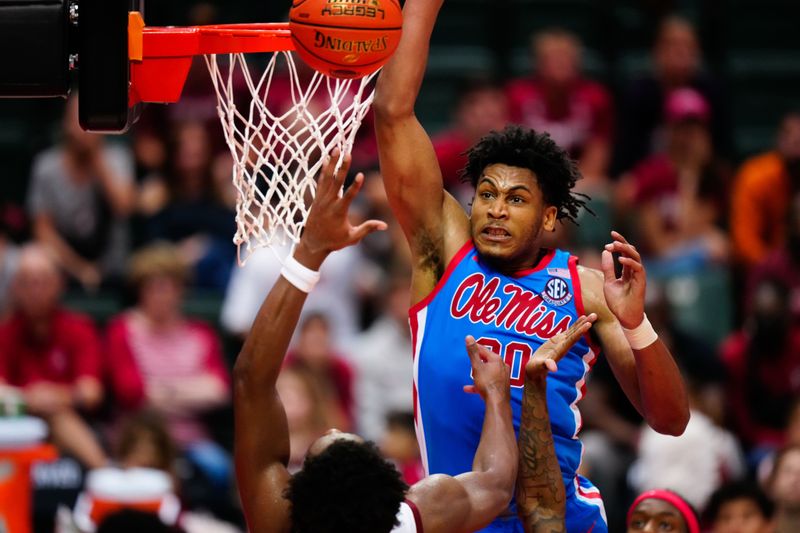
column 541, row 498
column 261, row 432
column 470, row 501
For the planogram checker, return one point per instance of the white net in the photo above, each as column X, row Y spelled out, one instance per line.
column 280, row 125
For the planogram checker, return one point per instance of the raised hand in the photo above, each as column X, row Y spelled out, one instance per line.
column 624, row 295
column 327, row 228
column 490, row 374
column 546, row 358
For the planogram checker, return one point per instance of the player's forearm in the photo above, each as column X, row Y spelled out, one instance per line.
column 401, row 78
column 262, row 355
column 541, row 499
column 496, row 456
column 662, row 390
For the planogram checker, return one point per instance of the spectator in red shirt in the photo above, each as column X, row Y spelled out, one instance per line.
column 314, row 352
column 53, row 356
column 677, row 63
column 576, row 112
column 481, row 107
column 763, row 361
column 679, row 195
column 158, row 358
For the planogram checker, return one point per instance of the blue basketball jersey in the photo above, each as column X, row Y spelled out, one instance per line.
column 513, row 316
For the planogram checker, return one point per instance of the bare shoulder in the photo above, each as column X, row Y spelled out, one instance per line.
column 594, row 300
column 442, row 500
column 435, row 488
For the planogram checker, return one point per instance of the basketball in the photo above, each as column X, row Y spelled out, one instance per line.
column 345, row 38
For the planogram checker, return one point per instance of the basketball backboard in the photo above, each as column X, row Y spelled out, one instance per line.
column 51, row 46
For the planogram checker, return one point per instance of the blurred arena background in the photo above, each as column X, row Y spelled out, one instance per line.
column 684, row 116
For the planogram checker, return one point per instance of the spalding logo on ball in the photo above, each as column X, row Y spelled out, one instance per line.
column 345, row 38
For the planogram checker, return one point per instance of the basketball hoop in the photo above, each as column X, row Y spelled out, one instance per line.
column 277, row 151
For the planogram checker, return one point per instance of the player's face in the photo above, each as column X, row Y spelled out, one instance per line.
column 330, row 436
column 740, row 516
column 509, row 215
column 656, row 516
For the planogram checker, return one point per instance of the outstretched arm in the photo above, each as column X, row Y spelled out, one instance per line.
column 541, row 499
column 433, row 222
column 470, row 501
column 262, row 435
column 648, row 375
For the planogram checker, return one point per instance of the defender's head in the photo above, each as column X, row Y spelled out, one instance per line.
column 523, row 182
column 345, row 485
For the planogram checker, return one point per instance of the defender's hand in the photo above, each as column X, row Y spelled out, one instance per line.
column 546, row 358
column 489, row 372
column 624, row 295
column 327, row 228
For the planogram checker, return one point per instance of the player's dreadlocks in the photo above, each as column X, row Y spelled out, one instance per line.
column 521, row 147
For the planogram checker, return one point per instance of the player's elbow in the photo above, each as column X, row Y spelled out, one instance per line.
column 499, row 497
column 673, row 423
column 500, row 487
column 389, row 107
column 242, row 370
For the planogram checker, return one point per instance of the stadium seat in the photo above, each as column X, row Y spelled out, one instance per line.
column 100, row 306
column 765, row 85
column 448, row 67
column 701, row 304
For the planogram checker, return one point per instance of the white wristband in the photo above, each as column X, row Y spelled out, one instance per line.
column 642, row 335
column 298, row 275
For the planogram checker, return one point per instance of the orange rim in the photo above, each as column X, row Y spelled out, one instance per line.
column 160, row 57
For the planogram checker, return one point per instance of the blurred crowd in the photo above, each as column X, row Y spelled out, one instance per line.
column 149, row 220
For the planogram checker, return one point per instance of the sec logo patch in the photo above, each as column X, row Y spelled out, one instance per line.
column 556, row 292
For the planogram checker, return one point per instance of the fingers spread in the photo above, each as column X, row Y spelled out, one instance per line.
column 470, row 389
column 324, row 183
column 341, row 174
column 607, row 264
column 631, row 263
column 617, row 236
column 624, row 249
column 352, row 191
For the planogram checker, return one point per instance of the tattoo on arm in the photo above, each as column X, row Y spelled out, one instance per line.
column 541, row 495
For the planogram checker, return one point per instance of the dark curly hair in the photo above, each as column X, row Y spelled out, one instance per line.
column 742, row 490
column 347, row 488
column 516, row 146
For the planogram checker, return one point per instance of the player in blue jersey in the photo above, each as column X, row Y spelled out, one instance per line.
column 488, row 275
column 345, row 486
